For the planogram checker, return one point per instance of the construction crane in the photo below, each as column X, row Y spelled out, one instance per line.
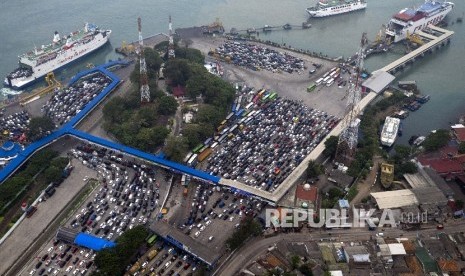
column 348, row 139
column 144, row 83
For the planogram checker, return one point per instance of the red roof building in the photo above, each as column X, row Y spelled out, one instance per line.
column 459, row 134
column 179, row 91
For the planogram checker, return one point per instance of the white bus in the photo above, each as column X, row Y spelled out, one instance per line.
column 319, row 81
column 330, row 82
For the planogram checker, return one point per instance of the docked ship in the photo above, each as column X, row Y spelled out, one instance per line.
column 389, row 132
column 411, row 20
column 62, row 51
column 332, row 7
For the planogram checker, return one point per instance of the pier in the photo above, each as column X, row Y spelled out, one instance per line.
column 128, row 49
column 440, row 37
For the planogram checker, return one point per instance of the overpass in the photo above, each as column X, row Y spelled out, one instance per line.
column 436, row 41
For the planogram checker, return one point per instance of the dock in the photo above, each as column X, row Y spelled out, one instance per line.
column 443, row 37
column 128, row 49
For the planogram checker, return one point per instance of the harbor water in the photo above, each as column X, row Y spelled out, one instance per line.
column 26, row 24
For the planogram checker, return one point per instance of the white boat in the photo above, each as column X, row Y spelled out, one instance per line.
column 62, row 51
column 419, row 141
column 411, row 20
column 389, row 132
column 332, row 7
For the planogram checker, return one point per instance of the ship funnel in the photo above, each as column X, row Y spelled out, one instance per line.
column 56, row 37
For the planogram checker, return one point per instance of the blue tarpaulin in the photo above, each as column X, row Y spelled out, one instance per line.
column 93, row 242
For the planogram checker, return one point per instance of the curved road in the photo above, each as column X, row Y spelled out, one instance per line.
column 256, row 247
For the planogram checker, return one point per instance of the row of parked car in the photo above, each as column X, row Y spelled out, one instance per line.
column 273, row 142
column 68, row 102
column 257, row 57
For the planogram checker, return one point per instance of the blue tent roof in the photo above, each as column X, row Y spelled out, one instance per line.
column 344, row 203
column 9, row 150
column 93, row 242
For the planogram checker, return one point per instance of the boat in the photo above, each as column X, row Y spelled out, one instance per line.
column 419, row 140
column 267, row 28
column 62, row 51
column 412, row 139
column 332, row 7
column 401, row 129
column 389, row 132
column 410, row 20
column 287, row 26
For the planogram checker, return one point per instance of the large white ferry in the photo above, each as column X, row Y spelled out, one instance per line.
column 333, row 7
column 37, row 63
column 389, row 132
column 411, row 20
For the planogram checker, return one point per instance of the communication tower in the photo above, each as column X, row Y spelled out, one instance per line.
column 348, row 139
column 171, row 41
column 144, row 83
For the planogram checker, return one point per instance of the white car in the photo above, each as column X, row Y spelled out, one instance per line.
column 69, row 268
column 202, row 228
column 32, row 272
column 208, row 223
column 50, row 249
column 197, row 234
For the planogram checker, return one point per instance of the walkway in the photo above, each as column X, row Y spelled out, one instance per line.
column 438, row 40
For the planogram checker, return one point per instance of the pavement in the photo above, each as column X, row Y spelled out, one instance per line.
column 31, row 228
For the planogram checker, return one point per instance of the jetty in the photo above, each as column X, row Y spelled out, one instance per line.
column 437, row 37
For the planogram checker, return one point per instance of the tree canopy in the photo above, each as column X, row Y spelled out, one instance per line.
column 176, row 148
column 40, row 127
column 436, row 140
column 113, row 261
column 248, row 227
column 331, row 146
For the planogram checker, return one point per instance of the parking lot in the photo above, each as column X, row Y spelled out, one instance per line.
column 258, row 57
column 68, row 102
column 128, row 195
column 264, row 146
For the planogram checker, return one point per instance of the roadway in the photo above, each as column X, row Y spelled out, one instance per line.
column 255, row 247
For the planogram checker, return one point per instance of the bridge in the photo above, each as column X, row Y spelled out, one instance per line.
column 435, row 42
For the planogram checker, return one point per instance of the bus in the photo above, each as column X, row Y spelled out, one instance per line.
column 188, row 156
column 330, row 82
column 229, row 116
column 325, row 80
column 319, row 81
column 208, row 141
column 251, row 113
column 311, row 87
column 193, row 161
column 266, row 97
column 223, row 122
column 240, row 112
column 233, row 129
column 152, row 239
column 197, row 148
column 203, row 148
column 214, row 145
column 260, row 93
column 249, row 106
column 273, row 96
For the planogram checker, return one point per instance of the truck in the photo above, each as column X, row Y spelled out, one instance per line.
column 30, row 211
column 134, row 268
column 185, row 191
column 204, row 154
column 152, row 254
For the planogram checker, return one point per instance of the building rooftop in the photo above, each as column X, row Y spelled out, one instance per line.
column 378, row 81
column 460, row 134
column 430, row 195
column 307, row 195
column 394, row 199
column 397, row 249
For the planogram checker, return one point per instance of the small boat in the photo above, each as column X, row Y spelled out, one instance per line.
column 287, row 26
column 419, row 140
column 399, row 131
column 267, row 28
column 251, row 31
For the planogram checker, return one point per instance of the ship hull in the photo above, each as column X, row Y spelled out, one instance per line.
column 335, row 11
column 390, row 131
column 59, row 63
column 414, row 26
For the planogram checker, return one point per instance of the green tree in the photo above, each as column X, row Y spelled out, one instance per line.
column 176, row 148
column 459, row 204
column 402, row 151
column 167, row 105
column 436, row 140
column 462, row 147
column 335, row 193
column 147, row 115
column 331, row 146
column 177, row 71
column 209, row 114
column 192, row 55
column 40, row 127
column 53, row 174
column 248, row 227
column 305, row 270
column 314, row 169
column 295, row 261
column 114, row 110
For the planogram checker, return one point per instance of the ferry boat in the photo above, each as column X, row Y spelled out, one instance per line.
column 419, row 141
column 62, row 51
column 332, row 7
column 389, row 132
column 411, row 20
